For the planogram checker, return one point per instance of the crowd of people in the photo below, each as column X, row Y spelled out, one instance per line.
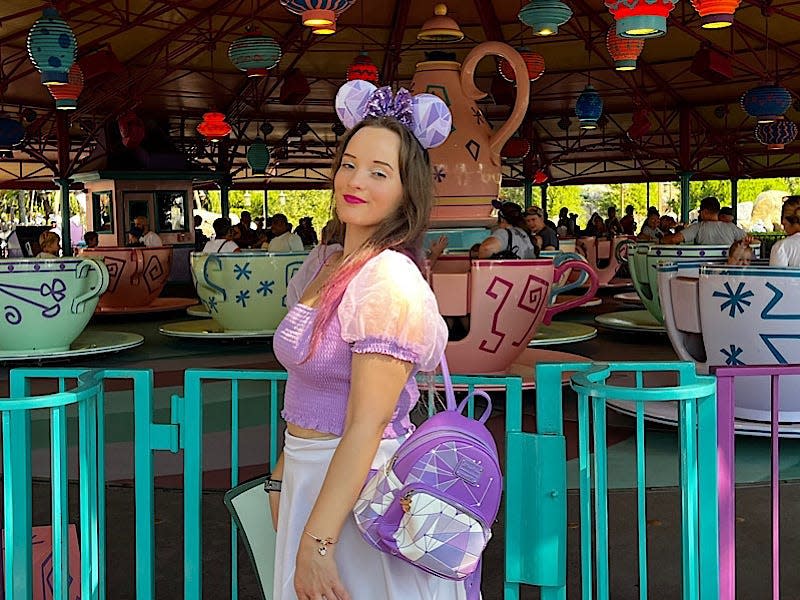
column 273, row 234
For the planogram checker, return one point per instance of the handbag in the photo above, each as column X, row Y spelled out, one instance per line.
column 248, row 504
column 433, row 503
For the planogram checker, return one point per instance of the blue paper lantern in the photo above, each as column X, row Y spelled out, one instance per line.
column 11, row 133
column 545, row 16
column 258, row 157
column 766, row 103
column 589, row 108
column 52, row 47
column 776, row 134
column 254, row 54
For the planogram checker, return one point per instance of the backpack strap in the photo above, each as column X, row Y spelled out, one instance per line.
column 451, row 396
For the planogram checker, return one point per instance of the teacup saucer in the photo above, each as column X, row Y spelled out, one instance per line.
column 588, row 304
column 198, row 310
column 562, row 332
column 525, row 366
column 208, row 329
column 89, row 343
column 630, row 320
column 616, row 283
column 628, row 298
column 156, row 306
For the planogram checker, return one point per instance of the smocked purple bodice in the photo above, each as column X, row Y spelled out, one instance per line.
column 317, row 389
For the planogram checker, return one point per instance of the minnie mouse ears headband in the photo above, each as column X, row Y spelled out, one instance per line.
column 424, row 115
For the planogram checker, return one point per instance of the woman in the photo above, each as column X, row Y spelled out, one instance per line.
column 365, row 323
column 786, row 252
column 50, row 244
column 650, row 231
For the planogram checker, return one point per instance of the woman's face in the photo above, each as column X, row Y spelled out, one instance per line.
column 367, row 186
column 652, row 221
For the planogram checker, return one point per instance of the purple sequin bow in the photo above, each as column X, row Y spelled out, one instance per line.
column 425, row 115
column 383, row 103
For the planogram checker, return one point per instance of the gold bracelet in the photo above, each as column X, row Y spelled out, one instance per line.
column 323, row 543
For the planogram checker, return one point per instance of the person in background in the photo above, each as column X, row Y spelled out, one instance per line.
column 510, row 232
column 200, row 238
column 243, row 234
column 221, row 241
column 148, row 238
column 612, row 224
column 726, row 214
column 740, row 253
column 284, row 240
column 650, row 231
column 543, row 236
column 628, row 223
column 135, row 237
column 565, row 226
column 259, row 221
column 708, row 230
column 91, row 239
column 595, row 227
column 435, row 251
column 786, row 252
column 667, row 225
column 306, row 232
column 50, row 244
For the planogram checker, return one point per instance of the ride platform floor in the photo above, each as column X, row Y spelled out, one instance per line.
column 169, row 357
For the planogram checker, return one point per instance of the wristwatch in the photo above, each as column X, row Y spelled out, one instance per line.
column 272, row 485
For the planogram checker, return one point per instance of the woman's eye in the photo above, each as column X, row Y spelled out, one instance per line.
column 348, row 166
column 379, row 173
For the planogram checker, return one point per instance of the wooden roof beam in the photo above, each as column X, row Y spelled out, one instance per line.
column 391, row 57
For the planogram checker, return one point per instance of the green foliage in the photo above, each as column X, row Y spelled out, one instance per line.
column 294, row 204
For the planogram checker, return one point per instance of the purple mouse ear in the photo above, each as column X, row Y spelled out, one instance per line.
column 432, row 120
column 351, row 101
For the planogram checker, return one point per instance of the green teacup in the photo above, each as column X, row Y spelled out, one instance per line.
column 245, row 291
column 46, row 303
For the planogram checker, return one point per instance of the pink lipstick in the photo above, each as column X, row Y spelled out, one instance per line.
column 353, row 199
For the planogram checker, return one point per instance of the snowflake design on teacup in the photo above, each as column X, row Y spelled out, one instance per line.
column 734, row 300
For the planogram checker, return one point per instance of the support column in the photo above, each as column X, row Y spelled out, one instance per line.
column 528, row 187
column 544, row 199
column 735, row 198
column 224, row 188
column 66, row 237
column 685, row 177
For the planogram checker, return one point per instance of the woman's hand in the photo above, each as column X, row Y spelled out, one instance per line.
column 316, row 576
column 274, row 504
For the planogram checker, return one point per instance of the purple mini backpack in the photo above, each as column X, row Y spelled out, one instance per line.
column 433, row 503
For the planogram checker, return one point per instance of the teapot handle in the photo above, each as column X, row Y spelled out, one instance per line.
column 499, row 137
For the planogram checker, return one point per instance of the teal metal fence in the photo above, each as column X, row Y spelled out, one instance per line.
column 536, row 488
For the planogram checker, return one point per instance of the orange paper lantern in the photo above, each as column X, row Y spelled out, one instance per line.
column 66, row 96
column 533, row 61
column 624, row 51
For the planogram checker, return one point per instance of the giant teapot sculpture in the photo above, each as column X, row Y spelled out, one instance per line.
column 467, row 166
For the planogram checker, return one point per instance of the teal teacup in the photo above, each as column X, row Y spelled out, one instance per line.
column 46, row 303
column 245, row 291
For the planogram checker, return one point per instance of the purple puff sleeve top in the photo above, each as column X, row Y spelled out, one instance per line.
column 388, row 308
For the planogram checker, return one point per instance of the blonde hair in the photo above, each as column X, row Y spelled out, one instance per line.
column 48, row 238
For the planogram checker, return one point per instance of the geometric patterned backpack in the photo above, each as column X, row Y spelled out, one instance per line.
column 433, row 503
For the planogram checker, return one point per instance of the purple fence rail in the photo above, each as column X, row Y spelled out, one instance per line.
column 726, row 477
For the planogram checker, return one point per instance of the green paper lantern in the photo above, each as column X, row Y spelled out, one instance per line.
column 258, row 157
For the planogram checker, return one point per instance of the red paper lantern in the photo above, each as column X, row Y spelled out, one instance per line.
column 640, row 125
column 66, row 96
column 533, row 61
column 213, row 127
column 363, row 68
column 540, row 177
column 516, row 148
column 715, row 14
column 624, row 51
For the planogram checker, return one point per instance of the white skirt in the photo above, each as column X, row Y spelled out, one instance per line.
column 366, row 573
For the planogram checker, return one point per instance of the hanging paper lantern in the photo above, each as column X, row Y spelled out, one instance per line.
column 540, row 177
column 66, row 96
column 533, row 61
column 363, row 68
column 545, row 16
column 641, row 18
column 589, row 108
column 715, row 14
column 317, row 12
column 52, row 47
column 213, row 127
column 258, row 157
column 515, row 148
column 440, row 28
column 254, row 54
column 766, row 102
column 11, row 133
column 324, row 29
column 776, row 134
column 624, row 51
column 131, row 129
column 640, row 125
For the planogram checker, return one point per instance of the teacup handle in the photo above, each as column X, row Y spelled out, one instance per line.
column 471, row 91
column 137, row 257
column 579, row 282
column 621, row 250
column 216, row 259
column 585, row 297
column 84, row 268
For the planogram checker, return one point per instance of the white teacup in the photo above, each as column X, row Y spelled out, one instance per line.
column 719, row 315
column 245, row 291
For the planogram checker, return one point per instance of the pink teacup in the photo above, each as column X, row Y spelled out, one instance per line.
column 136, row 275
column 506, row 300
